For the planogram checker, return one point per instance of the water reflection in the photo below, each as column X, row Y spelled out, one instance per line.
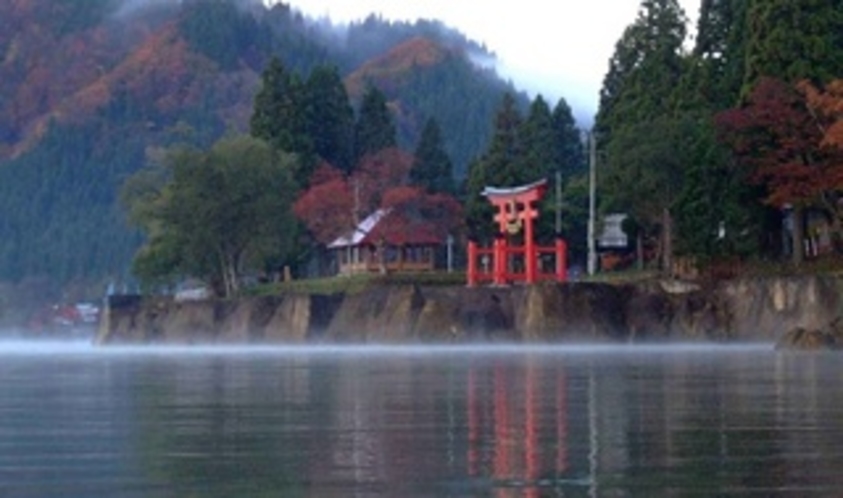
column 382, row 423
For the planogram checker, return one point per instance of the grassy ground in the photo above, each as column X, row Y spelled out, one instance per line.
column 356, row 283
column 352, row 284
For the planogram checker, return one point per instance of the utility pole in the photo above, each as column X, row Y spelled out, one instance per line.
column 558, row 225
column 592, row 187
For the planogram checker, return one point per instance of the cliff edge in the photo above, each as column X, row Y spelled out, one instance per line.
column 752, row 309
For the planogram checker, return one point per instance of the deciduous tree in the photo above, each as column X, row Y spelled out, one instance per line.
column 780, row 139
column 220, row 214
column 327, row 206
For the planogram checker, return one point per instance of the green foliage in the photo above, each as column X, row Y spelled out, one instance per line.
column 717, row 211
column 221, row 215
column 570, row 153
column 642, row 136
column 545, row 145
column 719, row 56
column 222, row 30
column 539, row 141
column 329, row 117
column 118, row 101
column 499, row 167
column 432, row 168
column 374, row 129
column 59, row 215
column 278, row 115
column 793, row 41
column 462, row 99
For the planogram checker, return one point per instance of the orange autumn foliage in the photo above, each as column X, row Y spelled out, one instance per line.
column 827, row 103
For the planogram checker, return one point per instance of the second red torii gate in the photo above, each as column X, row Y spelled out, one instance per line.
column 516, row 212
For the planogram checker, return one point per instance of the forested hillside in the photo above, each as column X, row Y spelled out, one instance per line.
column 91, row 90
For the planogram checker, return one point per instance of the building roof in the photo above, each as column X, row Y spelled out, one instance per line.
column 356, row 235
column 391, row 228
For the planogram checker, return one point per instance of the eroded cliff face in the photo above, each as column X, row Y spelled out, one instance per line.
column 735, row 310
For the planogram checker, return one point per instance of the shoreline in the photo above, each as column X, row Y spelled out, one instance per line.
column 731, row 312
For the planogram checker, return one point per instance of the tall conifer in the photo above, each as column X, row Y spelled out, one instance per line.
column 792, row 41
column 432, row 168
column 375, row 129
column 330, row 118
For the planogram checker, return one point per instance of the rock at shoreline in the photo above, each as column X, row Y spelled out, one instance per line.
column 828, row 338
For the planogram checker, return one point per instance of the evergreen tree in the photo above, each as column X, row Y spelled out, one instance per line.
column 570, row 167
column 502, row 163
column 718, row 213
column 639, row 131
column 539, row 143
column 278, row 115
column 499, row 167
column 793, row 41
column 569, row 144
column 718, row 58
column 374, row 130
column 432, row 168
column 330, row 118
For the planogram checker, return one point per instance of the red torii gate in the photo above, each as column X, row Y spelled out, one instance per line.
column 516, row 212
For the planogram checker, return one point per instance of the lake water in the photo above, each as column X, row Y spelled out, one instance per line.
column 405, row 422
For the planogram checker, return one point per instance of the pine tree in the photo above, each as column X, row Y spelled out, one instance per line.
column 639, row 133
column 569, row 145
column 330, row 118
column 278, row 115
column 718, row 58
column 432, row 168
column 375, row 129
column 793, row 41
column 538, row 138
column 499, row 167
column 718, row 213
column 502, row 162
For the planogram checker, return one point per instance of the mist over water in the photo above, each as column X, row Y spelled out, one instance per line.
column 13, row 344
column 385, row 421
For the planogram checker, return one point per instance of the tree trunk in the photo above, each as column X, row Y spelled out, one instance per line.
column 639, row 249
column 798, row 243
column 667, row 243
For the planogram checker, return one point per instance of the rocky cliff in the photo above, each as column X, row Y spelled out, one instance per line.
column 758, row 309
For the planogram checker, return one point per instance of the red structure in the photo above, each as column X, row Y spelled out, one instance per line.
column 514, row 256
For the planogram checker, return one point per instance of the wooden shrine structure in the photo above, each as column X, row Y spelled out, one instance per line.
column 515, row 257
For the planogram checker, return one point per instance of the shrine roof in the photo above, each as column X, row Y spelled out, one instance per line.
column 388, row 227
column 355, row 237
column 520, row 189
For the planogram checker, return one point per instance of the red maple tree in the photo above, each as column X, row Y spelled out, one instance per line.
column 780, row 134
column 327, row 207
column 332, row 203
column 418, row 217
column 776, row 134
column 378, row 172
column 827, row 104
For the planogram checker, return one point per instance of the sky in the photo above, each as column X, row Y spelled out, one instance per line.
column 559, row 48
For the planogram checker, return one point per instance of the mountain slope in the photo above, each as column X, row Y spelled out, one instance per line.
column 90, row 91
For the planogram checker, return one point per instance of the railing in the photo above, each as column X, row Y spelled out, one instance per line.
column 395, row 266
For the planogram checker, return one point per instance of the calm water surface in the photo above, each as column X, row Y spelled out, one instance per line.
column 381, row 422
